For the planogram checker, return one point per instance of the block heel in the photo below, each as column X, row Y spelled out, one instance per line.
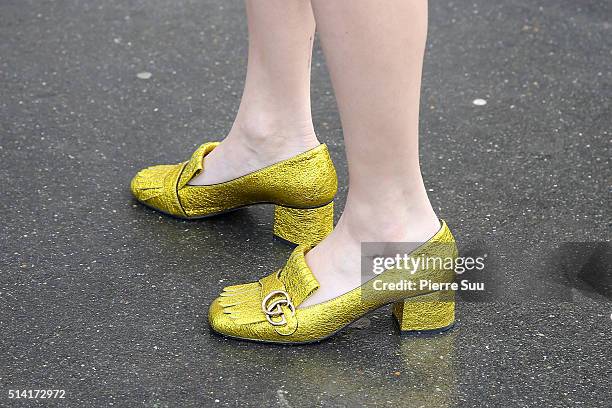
column 430, row 313
column 303, row 225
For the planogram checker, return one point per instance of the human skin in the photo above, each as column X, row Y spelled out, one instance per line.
column 374, row 51
column 274, row 119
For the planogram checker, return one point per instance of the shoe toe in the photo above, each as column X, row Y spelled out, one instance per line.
column 148, row 183
column 237, row 313
column 223, row 322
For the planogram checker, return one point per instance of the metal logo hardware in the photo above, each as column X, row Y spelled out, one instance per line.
column 274, row 308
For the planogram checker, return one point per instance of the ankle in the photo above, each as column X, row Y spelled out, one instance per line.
column 389, row 222
column 270, row 137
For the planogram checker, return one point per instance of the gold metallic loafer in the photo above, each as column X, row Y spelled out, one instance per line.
column 302, row 188
column 268, row 310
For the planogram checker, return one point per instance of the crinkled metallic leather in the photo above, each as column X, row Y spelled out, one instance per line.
column 303, row 181
column 431, row 312
column 238, row 312
column 302, row 226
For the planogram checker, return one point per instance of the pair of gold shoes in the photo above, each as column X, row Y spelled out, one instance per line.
column 302, row 189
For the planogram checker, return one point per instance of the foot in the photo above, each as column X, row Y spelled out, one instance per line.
column 246, row 150
column 336, row 261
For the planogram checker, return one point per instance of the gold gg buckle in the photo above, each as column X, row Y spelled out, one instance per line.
column 273, row 309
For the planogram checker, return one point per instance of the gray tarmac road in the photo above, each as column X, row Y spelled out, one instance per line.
column 107, row 300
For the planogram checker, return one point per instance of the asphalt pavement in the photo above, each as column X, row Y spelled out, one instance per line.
column 108, row 300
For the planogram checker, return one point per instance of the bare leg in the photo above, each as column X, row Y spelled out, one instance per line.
column 374, row 50
column 274, row 120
